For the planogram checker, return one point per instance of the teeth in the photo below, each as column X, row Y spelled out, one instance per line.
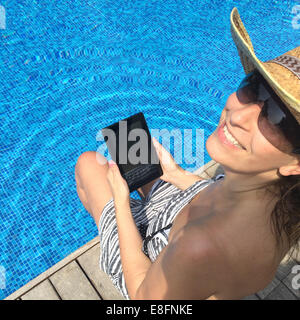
column 230, row 138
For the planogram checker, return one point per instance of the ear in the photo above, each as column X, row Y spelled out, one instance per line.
column 290, row 170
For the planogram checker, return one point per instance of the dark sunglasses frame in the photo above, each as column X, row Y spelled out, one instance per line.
column 254, row 88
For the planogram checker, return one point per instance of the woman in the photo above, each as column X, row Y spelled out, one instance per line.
column 226, row 241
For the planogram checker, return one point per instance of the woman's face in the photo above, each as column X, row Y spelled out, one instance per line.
column 256, row 154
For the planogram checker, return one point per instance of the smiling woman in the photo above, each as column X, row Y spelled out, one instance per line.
column 220, row 238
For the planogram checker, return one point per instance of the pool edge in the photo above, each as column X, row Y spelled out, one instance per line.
column 59, row 265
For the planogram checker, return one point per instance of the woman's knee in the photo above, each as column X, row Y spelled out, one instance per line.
column 84, row 159
column 88, row 161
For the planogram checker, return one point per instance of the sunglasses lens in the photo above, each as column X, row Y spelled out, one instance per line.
column 274, row 114
column 247, row 91
column 271, row 123
column 275, row 121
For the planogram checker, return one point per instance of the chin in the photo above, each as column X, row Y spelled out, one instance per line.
column 213, row 148
column 219, row 154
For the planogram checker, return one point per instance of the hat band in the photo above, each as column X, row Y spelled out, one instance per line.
column 289, row 62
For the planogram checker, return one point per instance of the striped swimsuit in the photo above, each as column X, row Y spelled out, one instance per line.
column 153, row 216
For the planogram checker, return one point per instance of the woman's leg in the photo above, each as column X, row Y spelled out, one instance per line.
column 92, row 186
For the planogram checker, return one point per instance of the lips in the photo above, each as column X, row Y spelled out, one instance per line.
column 224, row 139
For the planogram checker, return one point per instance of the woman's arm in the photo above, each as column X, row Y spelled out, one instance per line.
column 183, row 179
column 135, row 263
column 189, row 267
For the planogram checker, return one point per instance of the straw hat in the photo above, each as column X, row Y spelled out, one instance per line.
column 282, row 73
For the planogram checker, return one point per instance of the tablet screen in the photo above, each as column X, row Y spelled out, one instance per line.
column 139, row 149
column 134, row 122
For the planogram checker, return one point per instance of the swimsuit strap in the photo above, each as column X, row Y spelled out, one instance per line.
column 148, row 238
column 219, row 176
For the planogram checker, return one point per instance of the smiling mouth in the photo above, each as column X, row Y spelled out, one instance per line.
column 227, row 137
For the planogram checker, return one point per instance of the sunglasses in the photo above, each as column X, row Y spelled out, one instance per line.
column 275, row 121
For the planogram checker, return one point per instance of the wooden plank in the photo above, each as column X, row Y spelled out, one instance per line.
column 212, row 168
column 89, row 262
column 281, row 292
column 27, row 287
column 284, row 269
column 265, row 292
column 72, row 284
column 293, row 287
column 43, row 291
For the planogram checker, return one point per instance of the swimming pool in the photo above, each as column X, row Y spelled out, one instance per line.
column 70, row 68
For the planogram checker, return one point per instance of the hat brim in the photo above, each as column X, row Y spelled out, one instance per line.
column 251, row 62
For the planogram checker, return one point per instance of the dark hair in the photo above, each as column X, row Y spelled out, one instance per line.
column 285, row 216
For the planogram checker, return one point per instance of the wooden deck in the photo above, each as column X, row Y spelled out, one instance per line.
column 78, row 277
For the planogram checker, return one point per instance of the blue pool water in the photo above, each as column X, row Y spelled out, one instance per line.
column 69, row 68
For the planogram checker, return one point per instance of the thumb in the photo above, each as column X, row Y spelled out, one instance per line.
column 158, row 148
column 113, row 166
column 114, row 169
column 164, row 156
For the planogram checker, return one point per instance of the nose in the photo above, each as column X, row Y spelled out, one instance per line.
column 243, row 115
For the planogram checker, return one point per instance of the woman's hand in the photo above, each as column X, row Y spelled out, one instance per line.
column 171, row 170
column 118, row 184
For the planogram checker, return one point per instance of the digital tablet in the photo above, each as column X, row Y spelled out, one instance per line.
column 130, row 146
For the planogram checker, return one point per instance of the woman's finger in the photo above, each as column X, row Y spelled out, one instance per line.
column 160, row 149
column 164, row 156
column 157, row 146
column 114, row 169
column 115, row 172
column 111, row 163
column 109, row 176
